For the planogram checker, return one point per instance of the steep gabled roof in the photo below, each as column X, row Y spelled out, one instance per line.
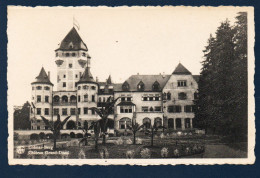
column 148, row 81
column 86, row 77
column 72, row 41
column 42, row 78
column 181, row 70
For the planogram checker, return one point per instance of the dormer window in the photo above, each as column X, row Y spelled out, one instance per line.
column 67, row 54
column 156, row 86
column 125, row 86
column 140, row 86
column 73, row 54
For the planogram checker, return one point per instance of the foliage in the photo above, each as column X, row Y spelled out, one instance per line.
column 22, row 118
column 134, row 128
column 222, row 103
column 145, row 153
column 104, row 112
column 56, row 127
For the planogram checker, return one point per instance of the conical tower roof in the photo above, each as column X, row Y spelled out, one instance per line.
column 86, row 77
column 72, row 41
column 109, row 80
column 181, row 70
column 42, row 78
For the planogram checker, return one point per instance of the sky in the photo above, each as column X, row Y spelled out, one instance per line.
column 122, row 41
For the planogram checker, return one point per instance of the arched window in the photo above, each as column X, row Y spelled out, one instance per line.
column 140, row 86
column 46, row 88
column 71, row 125
column 73, row 54
column 156, row 86
column 147, row 122
column 151, row 109
column 67, row 54
column 79, row 87
column 124, row 122
column 73, row 98
column 125, row 86
column 56, row 99
column 178, row 123
column 158, row 122
column 64, row 99
column 182, row 96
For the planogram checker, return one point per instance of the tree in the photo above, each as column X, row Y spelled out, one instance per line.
column 104, row 112
column 22, row 118
column 56, row 127
column 134, row 128
column 85, row 132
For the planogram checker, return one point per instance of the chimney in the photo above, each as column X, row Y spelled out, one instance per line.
column 163, row 75
column 96, row 79
column 80, row 75
column 49, row 75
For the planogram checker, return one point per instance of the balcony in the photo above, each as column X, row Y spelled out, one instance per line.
column 64, row 103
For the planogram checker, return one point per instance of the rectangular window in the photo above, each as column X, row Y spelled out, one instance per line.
column 177, row 108
column 85, row 98
column 64, row 84
column 38, row 111
column 144, row 109
column 150, row 98
column 174, row 109
column 64, row 111
column 92, row 111
column 38, row 128
column 129, row 99
column 46, row 111
column 78, row 98
column 64, row 76
column 78, row 110
column 72, row 111
column 47, row 99
column 99, row 99
column 126, row 109
column 104, row 99
column 188, row 108
column 76, row 76
column 56, row 111
column 93, row 98
column 182, row 83
column 121, row 109
column 145, row 98
column 170, row 109
column 157, row 108
column 85, row 110
column 70, row 65
column 123, row 99
column 38, row 98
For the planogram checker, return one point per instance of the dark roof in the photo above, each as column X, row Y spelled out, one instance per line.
column 148, row 81
column 126, row 103
column 72, row 41
column 42, row 78
column 196, row 78
column 86, row 77
column 181, row 70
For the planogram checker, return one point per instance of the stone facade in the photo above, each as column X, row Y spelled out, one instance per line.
column 165, row 100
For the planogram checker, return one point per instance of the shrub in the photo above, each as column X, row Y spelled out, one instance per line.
column 176, row 153
column 119, row 141
column 129, row 141
column 130, row 154
column 42, row 135
column 104, row 153
column 164, row 152
column 34, row 136
column 139, row 141
column 81, row 154
column 145, row 153
column 162, row 136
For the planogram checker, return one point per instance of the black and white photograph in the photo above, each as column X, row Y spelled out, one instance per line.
column 131, row 85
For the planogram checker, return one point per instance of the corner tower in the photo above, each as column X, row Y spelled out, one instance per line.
column 71, row 59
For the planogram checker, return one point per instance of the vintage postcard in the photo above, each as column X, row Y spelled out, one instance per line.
column 131, row 85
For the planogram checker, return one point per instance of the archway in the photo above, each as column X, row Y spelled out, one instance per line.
column 124, row 122
column 158, row 122
column 71, row 125
column 170, row 123
column 73, row 99
column 56, row 99
column 187, row 123
column 147, row 122
column 64, row 99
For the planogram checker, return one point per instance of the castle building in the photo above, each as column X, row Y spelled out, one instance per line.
column 165, row 100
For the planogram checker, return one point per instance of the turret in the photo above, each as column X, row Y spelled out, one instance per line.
column 41, row 100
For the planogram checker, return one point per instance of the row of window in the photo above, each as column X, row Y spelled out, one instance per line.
column 103, row 99
column 178, row 109
column 64, row 76
column 85, row 87
column 70, row 54
column 86, row 98
column 39, row 99
column 64, row 111
column 40, row 88
column 151, row 109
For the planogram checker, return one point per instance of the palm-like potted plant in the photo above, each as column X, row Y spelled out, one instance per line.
column 55, row 127
column 134, row 127
column 103, row 113
column 85, row 132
